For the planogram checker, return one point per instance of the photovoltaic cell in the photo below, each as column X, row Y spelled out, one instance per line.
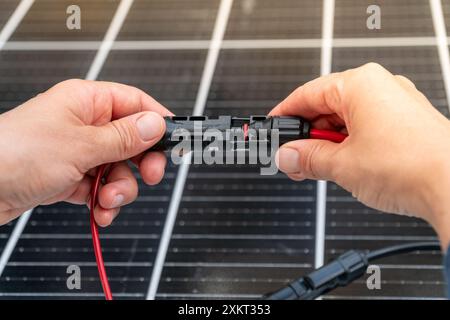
column 171, row 77
column 5, row 232
column 265, row 19
column 170, row 20
column 400, row 18
column 6, row 9
column 28, row 73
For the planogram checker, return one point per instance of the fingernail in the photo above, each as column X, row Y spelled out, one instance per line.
column 288, row 160
column 149, row 126
column 118, row 200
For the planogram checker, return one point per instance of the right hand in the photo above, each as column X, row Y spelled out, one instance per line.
column 397, row 156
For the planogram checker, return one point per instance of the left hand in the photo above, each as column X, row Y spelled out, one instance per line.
column 51, row 145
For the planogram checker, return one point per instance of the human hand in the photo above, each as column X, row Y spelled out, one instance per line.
column 397, row 156
column 52, row 143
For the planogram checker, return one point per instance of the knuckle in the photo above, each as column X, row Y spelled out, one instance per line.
column 334, row 92
column 69, row 87
column 125, row 138
column 74, row 82
column 134, row 189
column 405, row 80
column 373, row 67
column 309, row 164
column 366, row 75
column 335, row 170
column 90, row 144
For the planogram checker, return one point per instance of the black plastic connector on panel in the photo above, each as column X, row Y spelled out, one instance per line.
column 244, row 128
column 338, row 273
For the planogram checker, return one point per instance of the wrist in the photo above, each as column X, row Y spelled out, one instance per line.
column 441, row 225
column 437, row 201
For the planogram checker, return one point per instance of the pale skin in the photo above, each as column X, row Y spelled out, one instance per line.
column 53, row 143
column 396, row 158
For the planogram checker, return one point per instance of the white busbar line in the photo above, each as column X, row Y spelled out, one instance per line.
column 200, row 102
column 325, row 68
column 442, row 44
column 110, row 37
column 124, row 45
column 13, row 239
column 14, row 21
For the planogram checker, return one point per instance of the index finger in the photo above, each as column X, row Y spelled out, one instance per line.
column 320, row 96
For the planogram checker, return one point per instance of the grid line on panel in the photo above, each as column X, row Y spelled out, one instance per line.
column 205, row 83
column 7, row 8
column 336, row 297
column 80, row 295
column 207, row 296
column 13, row 238
column 14, row 21
column 108, row 40
column 442, row 43
column 124, row 45
column 325, row 68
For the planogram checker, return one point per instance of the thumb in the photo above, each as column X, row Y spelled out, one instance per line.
column 126, row 137
column 308, row 159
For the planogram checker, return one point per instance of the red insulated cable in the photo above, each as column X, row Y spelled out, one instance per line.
column 94, row 230
column 332, row 136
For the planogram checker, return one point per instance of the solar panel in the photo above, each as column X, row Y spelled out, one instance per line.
column 237, row 234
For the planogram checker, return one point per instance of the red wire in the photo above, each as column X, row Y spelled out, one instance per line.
column 332, row 136
column 94, row 230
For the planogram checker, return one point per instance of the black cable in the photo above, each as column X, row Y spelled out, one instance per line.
column 403, row 248
column 342, row 271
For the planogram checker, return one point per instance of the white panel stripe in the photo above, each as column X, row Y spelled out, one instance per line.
column 325, row 68
column 442, row 43
column 200, row 102
column 108, row 40
column 226, row 44
column 14, row 21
